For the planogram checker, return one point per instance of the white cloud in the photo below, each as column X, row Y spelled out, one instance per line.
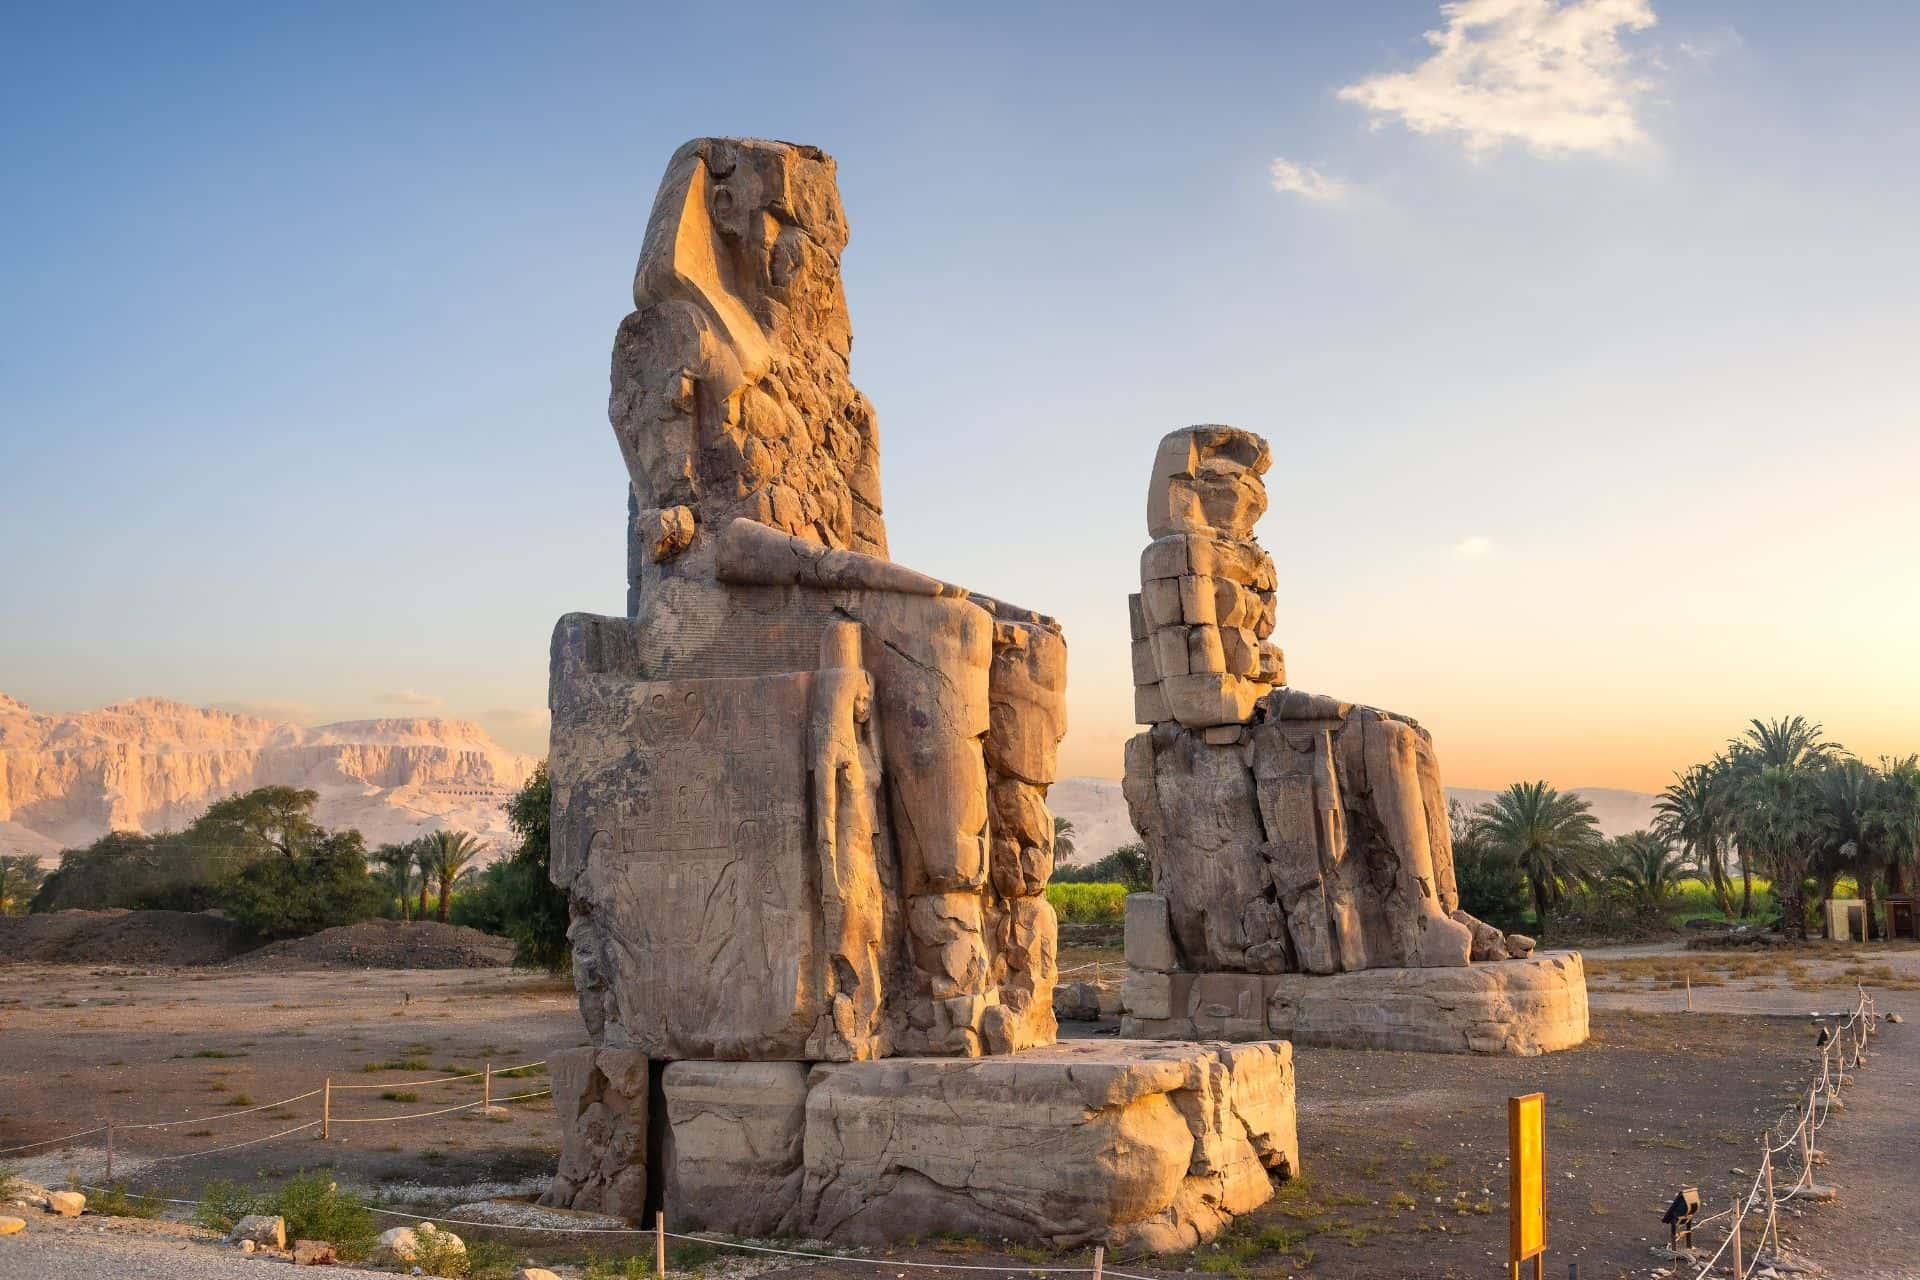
column 1473, row 547
column 411, row 698
column 1549, row 74
column 1306, row 182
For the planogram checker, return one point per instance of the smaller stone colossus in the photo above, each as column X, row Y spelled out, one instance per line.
column 1289, row 832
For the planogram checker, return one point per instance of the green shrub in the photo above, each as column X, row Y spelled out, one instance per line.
column 113, row 1201
column 1126, row 865
column 223, row 1203
column 1088, row 903
column 440, row 1253
column 315, row 1208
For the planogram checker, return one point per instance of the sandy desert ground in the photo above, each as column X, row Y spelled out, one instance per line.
column 1402, row 1151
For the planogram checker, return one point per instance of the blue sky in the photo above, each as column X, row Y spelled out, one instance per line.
column 1589, row 385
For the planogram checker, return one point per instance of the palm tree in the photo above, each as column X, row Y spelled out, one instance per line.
column 1063, row 839
column 1849, row 839
column 1552, row 835
column 1774, row 800
column 1896, row 818
column 1780, row 821
column 1646, row 869
column 422, row 847
column 448, row 853
column 1692, row 813
column 396, row 874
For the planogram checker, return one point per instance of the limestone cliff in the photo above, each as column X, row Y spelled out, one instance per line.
column 150, row 764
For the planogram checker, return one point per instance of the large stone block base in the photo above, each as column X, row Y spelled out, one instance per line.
column 1517, row 1007
column 1153, row 1145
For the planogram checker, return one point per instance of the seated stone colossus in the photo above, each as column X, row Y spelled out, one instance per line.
column 799, row 809
column 1292, row 834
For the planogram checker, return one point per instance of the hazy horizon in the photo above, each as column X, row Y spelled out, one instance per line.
column 1580, row 330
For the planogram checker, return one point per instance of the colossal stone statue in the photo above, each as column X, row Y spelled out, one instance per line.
column 799, row 809
column 1290, row 833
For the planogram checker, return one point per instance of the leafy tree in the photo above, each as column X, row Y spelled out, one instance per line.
column 263, row 821
column 1645, row 870
column 138, row 872
column 447, row 854
column 534, row 908
column 322, row 884
column 1489, row 880
column 1550, row 834
column 20, row 879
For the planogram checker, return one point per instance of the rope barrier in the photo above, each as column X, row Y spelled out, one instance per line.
column 709, row 1240
column 52, row 1142
column 416, row 1084
column 1848, row 1038
column 220, row 1115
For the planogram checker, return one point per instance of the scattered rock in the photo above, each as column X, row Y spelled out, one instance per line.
column 1520, row 946
column 534, row 1273
column 248, row 1246
column 68, row 1204
column 313, row 1253
column 12, row 1226
column 260, row 1228
column 406, row 1245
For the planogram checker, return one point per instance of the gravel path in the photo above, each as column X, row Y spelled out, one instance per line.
column 123, row 1249
column 1873, row 1232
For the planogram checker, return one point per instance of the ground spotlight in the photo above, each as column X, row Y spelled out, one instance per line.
column 1679, row 1218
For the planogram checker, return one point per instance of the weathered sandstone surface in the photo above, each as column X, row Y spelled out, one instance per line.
column 1290, row 833
column 153, row 765
column 1516, row 1007
column 800, row 814
column 1157, row 1145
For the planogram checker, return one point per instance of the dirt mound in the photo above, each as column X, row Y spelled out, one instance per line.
column 121, row 937
column 386, row 944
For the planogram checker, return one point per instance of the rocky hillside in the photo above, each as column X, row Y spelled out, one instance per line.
column 152, row 765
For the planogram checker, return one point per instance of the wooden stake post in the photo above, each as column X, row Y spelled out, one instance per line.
column 326, row 1107
column 660, row 1244
column 1527, row 1184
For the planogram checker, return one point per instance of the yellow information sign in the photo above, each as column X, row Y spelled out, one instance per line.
column 1527, row 1164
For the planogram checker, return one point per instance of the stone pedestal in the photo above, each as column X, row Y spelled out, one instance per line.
column 1144, row 1144
column 1517, row 1007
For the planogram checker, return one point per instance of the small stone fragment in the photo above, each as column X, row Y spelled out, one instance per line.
column 261, row 1228
column 68, row 1204
column 12, row 1226
column 313, row 1253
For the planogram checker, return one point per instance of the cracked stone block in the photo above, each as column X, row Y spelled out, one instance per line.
column 1519, row 1008
column 1151, row 1145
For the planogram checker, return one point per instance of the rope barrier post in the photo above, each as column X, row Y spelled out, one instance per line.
column 109, row 1148
column 1766, row 1170
column 326, row 1107
column 1739, row 1262
column 660, row 1244
column 1099, row 1260
column 1689, row 991
column 486, row 1089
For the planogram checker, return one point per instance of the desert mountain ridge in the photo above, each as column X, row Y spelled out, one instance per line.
column 152, row 764
column 1100, row 824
